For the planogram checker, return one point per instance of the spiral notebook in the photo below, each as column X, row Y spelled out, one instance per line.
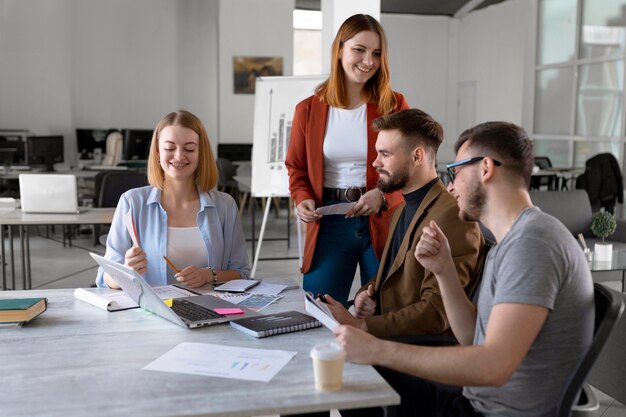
column 271, row 324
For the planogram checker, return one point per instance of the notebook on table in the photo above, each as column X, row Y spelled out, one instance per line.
column 48, row 193
column 190, row 312
column 271, row 324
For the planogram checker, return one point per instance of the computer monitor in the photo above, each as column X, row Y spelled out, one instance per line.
column 235, row 151
column 136, row 144
column 13, row 150
column 88, row 140
column 44, row 151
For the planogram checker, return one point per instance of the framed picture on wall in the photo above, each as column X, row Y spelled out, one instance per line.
column 247, row 68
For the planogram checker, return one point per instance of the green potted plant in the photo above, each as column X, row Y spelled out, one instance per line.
column 603, row 225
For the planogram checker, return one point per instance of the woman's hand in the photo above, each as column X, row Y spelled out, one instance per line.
column 369, row 203
column 194, row 277
column 135, row 258
column 306, row 211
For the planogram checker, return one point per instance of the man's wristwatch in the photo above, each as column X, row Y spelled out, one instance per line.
column 383, row 207
column 214, row 272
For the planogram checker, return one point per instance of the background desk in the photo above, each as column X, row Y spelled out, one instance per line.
column 78, row 360
column 15, row 217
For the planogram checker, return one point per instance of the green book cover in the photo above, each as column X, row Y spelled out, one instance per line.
column 18, row 303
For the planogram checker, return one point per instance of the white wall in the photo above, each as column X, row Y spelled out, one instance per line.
column 493, row 51
column 419, row 55
column 36, row 72
column 95, row 64
column 249, row 28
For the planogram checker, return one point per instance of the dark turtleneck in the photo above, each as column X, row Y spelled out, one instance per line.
column 412, row 201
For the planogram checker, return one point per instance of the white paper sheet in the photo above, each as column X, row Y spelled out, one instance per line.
column 267, row 288
column 222, row 361
column 341, row 208
column 256, row 302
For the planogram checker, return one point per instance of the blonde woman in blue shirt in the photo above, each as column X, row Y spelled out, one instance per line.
column 179, row 215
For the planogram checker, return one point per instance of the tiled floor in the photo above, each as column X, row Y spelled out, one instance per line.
column 54, row 266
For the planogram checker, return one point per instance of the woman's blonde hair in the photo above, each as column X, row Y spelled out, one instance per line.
column 206, row 173
column 377, row 89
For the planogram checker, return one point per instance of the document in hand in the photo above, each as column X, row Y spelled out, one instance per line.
column 319, row 310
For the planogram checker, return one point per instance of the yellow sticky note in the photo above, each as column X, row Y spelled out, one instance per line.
column 168, row 302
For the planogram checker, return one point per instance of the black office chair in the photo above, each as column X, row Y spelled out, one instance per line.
column 226, row 181
column 578, row 400
column 543, row 162
column 538, row 181
column 110, row 185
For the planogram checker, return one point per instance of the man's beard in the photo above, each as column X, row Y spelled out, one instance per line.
column 394, row 182
column 476, row 199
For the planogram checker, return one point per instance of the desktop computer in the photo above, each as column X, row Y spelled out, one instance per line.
column 136, row 144
column 44, row 151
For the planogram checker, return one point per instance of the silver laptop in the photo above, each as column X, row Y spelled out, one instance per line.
column 48, row 193
column 142, row 293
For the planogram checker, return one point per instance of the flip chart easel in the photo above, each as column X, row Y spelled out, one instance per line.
column 274, row 105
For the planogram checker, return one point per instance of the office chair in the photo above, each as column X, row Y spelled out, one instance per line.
column 113, row 149
column 543, row 162
column 549, row 181
column 609, row 308
column 226, row 181
column 110, row 185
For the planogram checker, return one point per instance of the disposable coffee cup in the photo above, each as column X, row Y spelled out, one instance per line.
column 328, row 362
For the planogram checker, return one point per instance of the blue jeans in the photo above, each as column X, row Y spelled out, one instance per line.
column 342, row 244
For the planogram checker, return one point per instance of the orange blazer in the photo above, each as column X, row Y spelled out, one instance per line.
column 305, row 164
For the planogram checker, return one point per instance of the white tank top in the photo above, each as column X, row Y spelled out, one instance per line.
column 345, row 147
column 185, row 247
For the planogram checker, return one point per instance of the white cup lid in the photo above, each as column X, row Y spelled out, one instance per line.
column 327, row 351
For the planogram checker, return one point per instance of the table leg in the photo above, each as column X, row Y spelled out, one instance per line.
column 30, row 281
column 12, row 256
column 4, row 268
column 22, row 246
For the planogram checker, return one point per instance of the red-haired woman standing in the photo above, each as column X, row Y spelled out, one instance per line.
column 330, row 160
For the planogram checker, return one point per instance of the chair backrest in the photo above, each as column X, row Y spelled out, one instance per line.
column 227, row 172
column 543, row 162
column 608, row 372
column 609, row 306
column 572, row 208
column 110, row 185
column 113, row 149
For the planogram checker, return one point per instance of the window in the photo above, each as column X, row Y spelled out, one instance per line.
column 579, row 80
column 307, row 42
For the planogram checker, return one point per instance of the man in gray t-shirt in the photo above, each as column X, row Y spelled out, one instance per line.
column 534, row 319
column 538, row 263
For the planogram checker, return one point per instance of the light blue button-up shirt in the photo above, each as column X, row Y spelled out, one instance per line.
column 218, row 222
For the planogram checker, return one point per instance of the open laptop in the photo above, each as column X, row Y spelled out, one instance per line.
column 48, row 193
column 142, row 293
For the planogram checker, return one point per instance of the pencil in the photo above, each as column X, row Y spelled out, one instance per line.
column 171, row 264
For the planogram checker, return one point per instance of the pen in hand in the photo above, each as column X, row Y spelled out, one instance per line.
column 171, row 264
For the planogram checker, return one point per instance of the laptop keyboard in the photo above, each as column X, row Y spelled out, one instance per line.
column 193, row 312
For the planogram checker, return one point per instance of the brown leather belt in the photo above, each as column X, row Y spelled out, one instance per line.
column 344, row 194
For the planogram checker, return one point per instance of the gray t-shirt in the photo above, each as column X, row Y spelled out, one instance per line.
column 538, row 262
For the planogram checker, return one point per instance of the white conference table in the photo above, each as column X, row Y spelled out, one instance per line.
column 15, row 217
column 78, row 360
